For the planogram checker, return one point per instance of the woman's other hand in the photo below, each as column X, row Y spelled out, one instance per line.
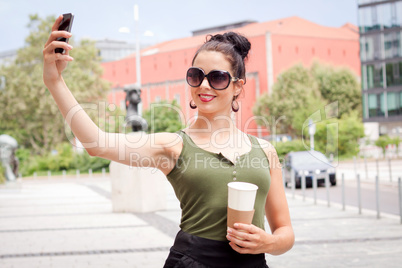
column 249, row 239
column 54, row 63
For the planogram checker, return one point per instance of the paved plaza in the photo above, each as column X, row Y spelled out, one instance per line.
column 68, row 222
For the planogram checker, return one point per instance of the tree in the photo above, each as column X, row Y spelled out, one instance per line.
column 338, row 84
column 396, row 141
column 294, row 97
column 28, row 111
column 339, row 136
column 163, row 117
column 383, row 142
column 301, row 92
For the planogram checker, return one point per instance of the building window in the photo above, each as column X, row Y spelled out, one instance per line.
column 394, row 73
column 398, row 12
column 364, row 104
column 392, row 45
column 368, row 19
column 394, row 103
column 374, row 75
column 373, row 47
column 158, row 99
column 376, row 105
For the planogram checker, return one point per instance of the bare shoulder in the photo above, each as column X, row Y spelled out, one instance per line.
column 172, row 143
column 270, row 152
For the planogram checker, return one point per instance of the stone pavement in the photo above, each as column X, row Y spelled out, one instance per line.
column 69, row 223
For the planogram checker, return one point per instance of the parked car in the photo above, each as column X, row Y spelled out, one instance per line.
column 308, row 163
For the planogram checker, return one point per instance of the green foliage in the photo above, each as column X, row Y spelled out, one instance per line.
column 383, row 142
column 339, row 136
column 396, row 141
column 338, row 84
column 295, row 95
column 2, row 177
column 300, row 92
column 282, row 148
column 39, row 125
column 63, row 158
column 163, row 117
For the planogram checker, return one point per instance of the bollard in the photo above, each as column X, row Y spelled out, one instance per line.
column 377, row 196
column 400, row 197
column 103, row 172
column 293, row 179
column 365, row 167
column 35, row 175
column 315, row 188
column 49, row 174
column 64, row 173
column 359, row 200
column 303, row 184
column 327, row 187
column 390, row 171
column 343, row 192
column 77, row 174
column 90, row 173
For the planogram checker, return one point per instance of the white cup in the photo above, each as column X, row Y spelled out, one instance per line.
column 241, row 195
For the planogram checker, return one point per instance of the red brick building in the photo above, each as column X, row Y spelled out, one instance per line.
column 275, row 46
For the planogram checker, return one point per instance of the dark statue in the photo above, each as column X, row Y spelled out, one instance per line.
column 133, row 118
column 8, row 146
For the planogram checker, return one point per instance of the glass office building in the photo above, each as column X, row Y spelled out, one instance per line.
column 380, row 25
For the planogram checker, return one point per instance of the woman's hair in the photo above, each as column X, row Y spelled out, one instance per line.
column 233, row 45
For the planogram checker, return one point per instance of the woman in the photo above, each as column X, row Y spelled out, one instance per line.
column 198, row 161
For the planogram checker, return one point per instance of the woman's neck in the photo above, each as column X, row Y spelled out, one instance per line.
column 214, row 125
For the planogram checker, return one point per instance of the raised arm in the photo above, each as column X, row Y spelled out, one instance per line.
column 157, row 150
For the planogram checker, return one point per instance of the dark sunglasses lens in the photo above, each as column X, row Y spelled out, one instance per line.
column 219, row 79
column 194, row 77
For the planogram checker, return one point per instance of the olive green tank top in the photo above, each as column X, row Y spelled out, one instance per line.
column 200, row 180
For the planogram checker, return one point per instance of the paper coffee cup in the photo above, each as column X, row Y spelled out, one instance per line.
column 241, row 195
column 241, row 199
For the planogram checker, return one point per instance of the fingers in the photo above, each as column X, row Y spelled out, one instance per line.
column 57, row 23
column 244, row 238
column 56, row 33
column 49, row 49
column 249, row 228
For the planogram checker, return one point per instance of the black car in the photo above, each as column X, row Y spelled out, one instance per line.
column 308, row 163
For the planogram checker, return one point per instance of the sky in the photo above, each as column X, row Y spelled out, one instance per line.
column 166, row 19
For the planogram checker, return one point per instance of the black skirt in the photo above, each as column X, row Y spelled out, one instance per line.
column 196, row 252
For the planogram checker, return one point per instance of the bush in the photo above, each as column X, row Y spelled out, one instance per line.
column 383, row 142
column 282, row 148
column 2, row 177
column 65, row 159
column 339, row 137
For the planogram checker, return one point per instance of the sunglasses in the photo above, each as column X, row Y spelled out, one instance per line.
column 218, row 80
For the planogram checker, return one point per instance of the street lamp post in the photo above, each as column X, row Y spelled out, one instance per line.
column 137, row 44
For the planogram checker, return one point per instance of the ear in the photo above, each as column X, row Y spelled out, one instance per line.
column 238, row 87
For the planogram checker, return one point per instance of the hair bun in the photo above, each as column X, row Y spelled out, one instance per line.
column 239, row 42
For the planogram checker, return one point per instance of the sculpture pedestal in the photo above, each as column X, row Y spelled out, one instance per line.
column 137, row 189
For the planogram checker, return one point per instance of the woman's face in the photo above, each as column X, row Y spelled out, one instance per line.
column 207, row 99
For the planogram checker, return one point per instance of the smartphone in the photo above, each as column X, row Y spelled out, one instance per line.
column 65, row 25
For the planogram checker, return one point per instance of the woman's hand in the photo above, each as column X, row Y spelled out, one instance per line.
column 249, row 239
column 54, row 63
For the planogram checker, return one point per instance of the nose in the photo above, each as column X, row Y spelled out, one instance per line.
column 205, row 83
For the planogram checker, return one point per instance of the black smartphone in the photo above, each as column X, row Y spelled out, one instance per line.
column 65, row 25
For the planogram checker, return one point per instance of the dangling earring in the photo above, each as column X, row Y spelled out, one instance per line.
column 235, row 105
column 192, row 105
